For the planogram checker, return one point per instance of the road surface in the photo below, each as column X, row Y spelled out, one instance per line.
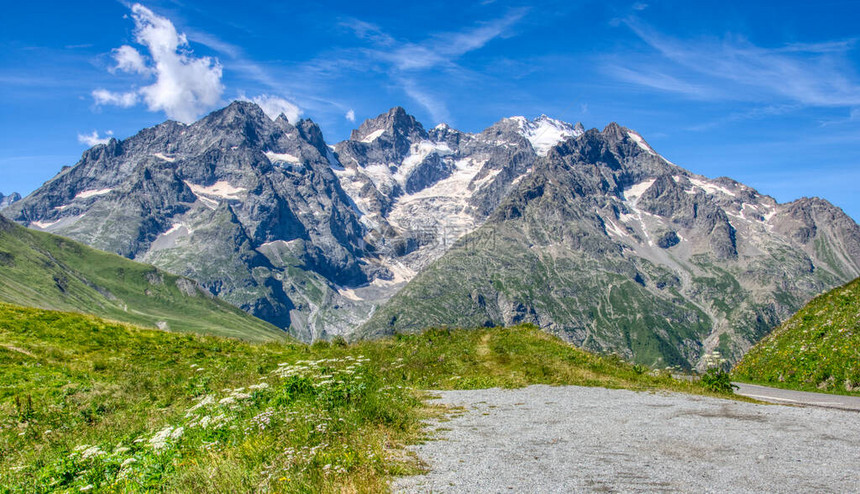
column 575, row 439
column 803, row 398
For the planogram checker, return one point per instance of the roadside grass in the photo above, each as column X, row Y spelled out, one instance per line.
column 88, row 405
column 817, row 349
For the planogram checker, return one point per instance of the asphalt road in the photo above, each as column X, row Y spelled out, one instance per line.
column 574, row 439
column 801, row 398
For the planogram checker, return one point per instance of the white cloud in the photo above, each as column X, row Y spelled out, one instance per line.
column 94, row 139
column 274, row 106
column 350, row 115
column 184, row 87
column 130, row 60
column 105, row 97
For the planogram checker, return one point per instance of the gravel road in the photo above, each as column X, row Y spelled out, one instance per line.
column 575, row 439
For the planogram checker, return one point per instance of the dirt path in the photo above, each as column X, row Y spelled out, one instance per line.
column 574, row 439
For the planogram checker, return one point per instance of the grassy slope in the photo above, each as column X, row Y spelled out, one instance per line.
column 81, row 397
column 42, row 270
column 818, row 349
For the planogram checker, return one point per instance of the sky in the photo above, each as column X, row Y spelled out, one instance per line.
column 767, row 93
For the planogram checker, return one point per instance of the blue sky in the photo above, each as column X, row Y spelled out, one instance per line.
column 768, row 93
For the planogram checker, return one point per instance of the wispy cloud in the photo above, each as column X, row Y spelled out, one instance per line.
column 185, row 86
column 442, row 48
column 735, row 68
column 405, row 61
column 435, row 106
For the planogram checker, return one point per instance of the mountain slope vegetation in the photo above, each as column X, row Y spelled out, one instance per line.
column 39, row 269
column 817, row 349
column 92, row 405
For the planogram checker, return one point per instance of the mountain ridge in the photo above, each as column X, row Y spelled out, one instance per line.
column 317, row 238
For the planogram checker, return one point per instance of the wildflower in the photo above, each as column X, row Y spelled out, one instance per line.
column 177, row 433
column 227, row 401
column 207, row 400
column 258, row 386
column 86, row 488
column 159, row 440
column 128, row 462
column 91, row 452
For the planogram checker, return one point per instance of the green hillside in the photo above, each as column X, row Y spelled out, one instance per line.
column 42, row 270
column 818, row 349
column 86, row 402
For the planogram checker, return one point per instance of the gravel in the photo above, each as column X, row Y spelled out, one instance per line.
column 575, row 439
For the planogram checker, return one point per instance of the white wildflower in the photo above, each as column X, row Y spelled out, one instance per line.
column 207, row 400
column 91, row 452
column 128, row 462
column 258, row 386
column 227, row 401
column 177, row 433
column 159, row 440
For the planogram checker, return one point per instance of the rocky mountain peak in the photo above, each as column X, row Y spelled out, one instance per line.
column 614, row 131
column 395, row 124
column 6, row 201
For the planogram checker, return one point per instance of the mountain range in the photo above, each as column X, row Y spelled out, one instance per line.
column 590, row 234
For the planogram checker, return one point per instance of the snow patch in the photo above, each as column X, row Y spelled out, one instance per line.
column 349, row 293
column 633, row 193
column 169, row 159
column 43, row 224
column 711, row 188
column 543, row 132
column 92, row 193
column 612, row 228
column 420, row 151
column 641, row 142
column 332, row 160
column 282, row 158
column 373, row 136
column 221, row 189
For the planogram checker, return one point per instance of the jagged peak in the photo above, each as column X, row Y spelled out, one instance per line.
column 237, row 110
column 394, row 121
column 613, row 130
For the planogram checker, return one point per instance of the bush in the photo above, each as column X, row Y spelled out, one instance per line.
column 718, row 381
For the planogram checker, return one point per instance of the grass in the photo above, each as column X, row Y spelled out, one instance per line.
column 39, row 269
column 97, row 406
column 817, row 349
